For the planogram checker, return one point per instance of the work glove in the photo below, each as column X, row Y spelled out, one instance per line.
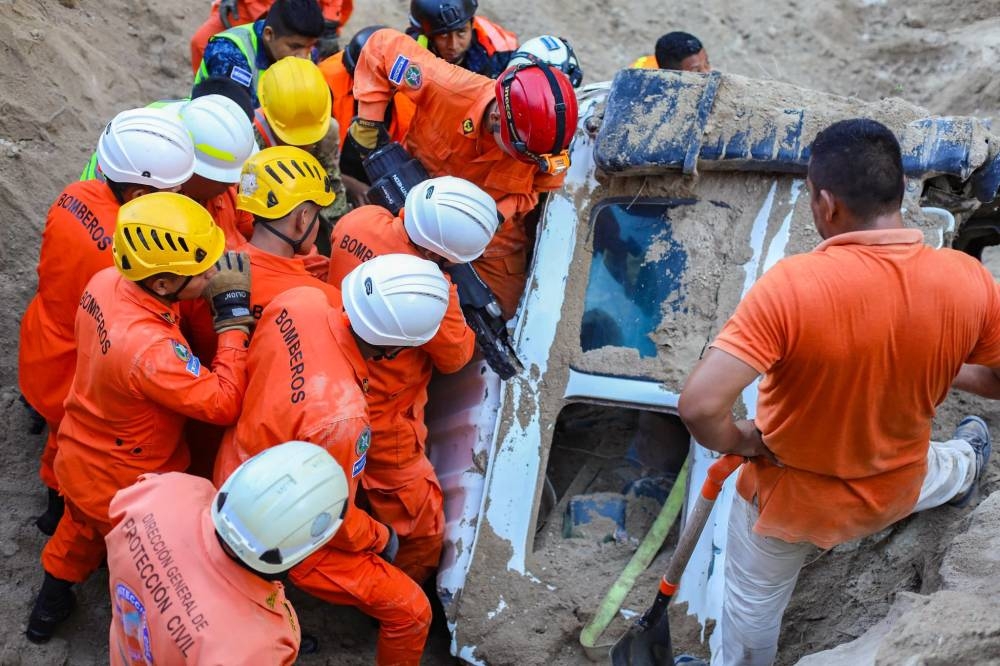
column 228, row 292
column 228, row 12
column 391, row 546
column 328, row 43
column 367, row 135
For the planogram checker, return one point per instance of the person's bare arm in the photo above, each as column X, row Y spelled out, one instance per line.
column 706, row 406
column 978, row 379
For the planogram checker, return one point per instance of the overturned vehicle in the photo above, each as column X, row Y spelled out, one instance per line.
column 683, row 190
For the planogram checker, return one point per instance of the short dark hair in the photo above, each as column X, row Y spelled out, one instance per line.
column 673, row 47
column 225, row 86
column 859, row 162
column 295, row 17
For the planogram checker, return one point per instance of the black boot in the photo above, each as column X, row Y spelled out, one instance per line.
column 48, row 521
column 54, row 604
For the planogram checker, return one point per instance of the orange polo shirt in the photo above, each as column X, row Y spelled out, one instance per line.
column 397, row 391
column 858, row 342
column 445, row 133
column 176, row 597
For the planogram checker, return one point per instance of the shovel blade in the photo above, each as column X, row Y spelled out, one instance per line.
column 646, row 643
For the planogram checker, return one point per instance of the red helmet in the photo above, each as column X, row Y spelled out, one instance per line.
column 538, row 114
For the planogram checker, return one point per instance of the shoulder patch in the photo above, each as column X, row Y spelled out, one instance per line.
column 193, row 366
column 468, row 126
column 359, row 465
column 397, row 70
column 241, row 76
column 131, row 614
column 364, row 441
column 181, row 351
column 412, row 77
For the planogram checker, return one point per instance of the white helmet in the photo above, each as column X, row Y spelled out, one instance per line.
column 450, row 217
column 395, row 300
column 146, row 147
column 222, row 135
column 555, row 51
column 281, row 506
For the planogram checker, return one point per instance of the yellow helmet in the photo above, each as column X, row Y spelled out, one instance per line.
column 276, row 180
column 295, row 100
column 165, row 232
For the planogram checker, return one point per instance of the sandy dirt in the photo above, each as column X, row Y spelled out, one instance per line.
column 67, row 67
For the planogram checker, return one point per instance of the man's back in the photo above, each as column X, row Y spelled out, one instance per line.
column 206, row 608
column 859, row 342
column 76, row 244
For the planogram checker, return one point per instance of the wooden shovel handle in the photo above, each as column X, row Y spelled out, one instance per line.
column 720, row 470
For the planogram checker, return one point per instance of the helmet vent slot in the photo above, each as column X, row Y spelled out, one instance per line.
column 271, row 172
column 156, row 239
column 142, row 238
column 281, row 165
column 170, row 241
column 298, row 168
column 182, row 243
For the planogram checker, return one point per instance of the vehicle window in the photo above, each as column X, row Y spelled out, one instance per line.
column 635, row 274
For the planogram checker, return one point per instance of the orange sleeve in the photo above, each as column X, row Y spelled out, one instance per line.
column 359, row 531
column 515, row 205
column 454, row 343
column 384, row 61
column 987, row 349
column 162, row 374
column 757, row 332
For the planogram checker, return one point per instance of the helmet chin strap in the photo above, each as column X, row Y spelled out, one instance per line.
column 172, row 297
column 294, row 244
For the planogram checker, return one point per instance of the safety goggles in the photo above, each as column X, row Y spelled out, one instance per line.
column 556, row 160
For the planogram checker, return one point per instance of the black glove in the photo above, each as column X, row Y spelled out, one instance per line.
column 391, row 546
column 228, row 292
column 228, row 12
column 328, row 42
column 367, row 135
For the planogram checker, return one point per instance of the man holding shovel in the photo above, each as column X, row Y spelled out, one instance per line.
column 858, row 342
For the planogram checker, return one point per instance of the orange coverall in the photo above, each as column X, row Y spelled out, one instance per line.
column 343, row 109
column 448, row 137
column 76, row 243
column 198, row 329
column 307, row 382
column 271, row 275
column 135, row 384
column 399, row 481
column 176, row 597
column 251, row 10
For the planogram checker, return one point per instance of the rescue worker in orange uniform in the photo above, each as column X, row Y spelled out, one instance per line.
column 284, row 189
column 451, row 30
column 510, row 137
column 295, row 111
column 140, row 151
column 445, row 219
column 308, row 380
column 243, row 53
column 338, row 70
column 680, row 51
column 191, row 569
column 136, row 381
column 227, row 14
